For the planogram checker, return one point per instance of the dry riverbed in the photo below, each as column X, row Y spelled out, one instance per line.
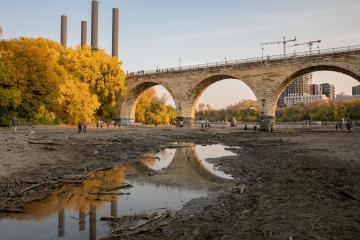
column 301, row 184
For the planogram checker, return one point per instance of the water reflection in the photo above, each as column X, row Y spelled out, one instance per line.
column 74, row 211
column 160, row 160
column 205, row 152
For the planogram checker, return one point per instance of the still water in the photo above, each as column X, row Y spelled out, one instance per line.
column 167, row 179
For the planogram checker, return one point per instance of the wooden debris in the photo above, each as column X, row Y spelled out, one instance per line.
column 113, row 188
column 30, row 188
column 11, row 210
column 108, row 193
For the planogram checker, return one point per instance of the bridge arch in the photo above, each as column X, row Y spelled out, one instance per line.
column 310, row 68
column 200, row 87
column 128, row 107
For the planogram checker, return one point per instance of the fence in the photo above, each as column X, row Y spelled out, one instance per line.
column 248, row 60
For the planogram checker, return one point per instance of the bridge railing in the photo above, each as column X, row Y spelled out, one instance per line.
column 248, row 60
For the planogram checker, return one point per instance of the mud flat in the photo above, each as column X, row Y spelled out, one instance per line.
column 293, row 184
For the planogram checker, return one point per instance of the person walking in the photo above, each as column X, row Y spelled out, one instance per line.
column 348, row 126
column 84, row 127
column 13, row 123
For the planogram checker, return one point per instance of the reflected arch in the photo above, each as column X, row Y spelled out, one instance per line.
column 184, row 167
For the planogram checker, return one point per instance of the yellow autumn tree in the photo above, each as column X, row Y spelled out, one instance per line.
column 151, row 109
column 77, row 102
column 43, row 82
column 101, row 72
column 144, row 101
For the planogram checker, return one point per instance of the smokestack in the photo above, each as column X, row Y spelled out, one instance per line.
column 83, row 33
column 115, row 33
column 63, row 38
column 94, row 24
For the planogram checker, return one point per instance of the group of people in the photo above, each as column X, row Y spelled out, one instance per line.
column 348, row 125
column 205, row 124
column 82, row 126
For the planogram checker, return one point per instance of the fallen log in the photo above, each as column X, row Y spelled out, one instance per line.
column 109, row 219
column 108, row 193
column 113, row 188
column 11, row 210
column 30, row 188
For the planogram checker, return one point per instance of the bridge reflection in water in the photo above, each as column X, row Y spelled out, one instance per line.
column 167, row 179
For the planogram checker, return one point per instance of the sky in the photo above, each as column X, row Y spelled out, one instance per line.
column 157, row 33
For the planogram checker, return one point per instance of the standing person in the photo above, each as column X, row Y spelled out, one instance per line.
column 348, row 126
column 13, row 123
column 80, row 127
column 84, row 127
column 337, row 126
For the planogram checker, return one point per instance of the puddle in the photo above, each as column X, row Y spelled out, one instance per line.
column 205, row 152
column 168, row 179
column 159, row 160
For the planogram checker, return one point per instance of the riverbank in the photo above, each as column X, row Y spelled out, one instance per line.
column 301, row 183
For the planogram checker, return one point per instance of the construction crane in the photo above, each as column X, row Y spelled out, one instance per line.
column 284, row 42
column 310, row 43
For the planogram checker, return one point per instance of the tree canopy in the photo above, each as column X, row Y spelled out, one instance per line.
column 151, row 109
column 42, row 82
column 248, row 111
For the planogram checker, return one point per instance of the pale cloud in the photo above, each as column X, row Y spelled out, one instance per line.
column 234, row 31
column 278, row 21
column 341, row 38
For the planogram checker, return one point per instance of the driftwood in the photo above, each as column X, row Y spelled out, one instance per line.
column 109, row 219
column 44, row 143
column 139, row 227
column 30, row 188
column 113, row 188
column 108, row 193
column 97, row 170
column 11, row 210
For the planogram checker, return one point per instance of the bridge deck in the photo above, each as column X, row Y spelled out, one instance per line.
column 257, row 60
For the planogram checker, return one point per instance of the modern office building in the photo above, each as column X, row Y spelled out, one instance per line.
column 328, row 90
column 295, row 99
column 356, row 90
column 315, row 89
column 300, row 86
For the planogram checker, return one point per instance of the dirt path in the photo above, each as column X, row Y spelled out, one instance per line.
column 299, row 185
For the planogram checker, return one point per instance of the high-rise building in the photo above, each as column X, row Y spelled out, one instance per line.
column 328, row 90
column 356, row 90
column 299, row 86
column 314, row 89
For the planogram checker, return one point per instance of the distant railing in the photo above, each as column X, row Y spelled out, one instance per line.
column 247, row 60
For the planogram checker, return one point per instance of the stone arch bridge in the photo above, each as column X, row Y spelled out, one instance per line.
column 266, row 77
